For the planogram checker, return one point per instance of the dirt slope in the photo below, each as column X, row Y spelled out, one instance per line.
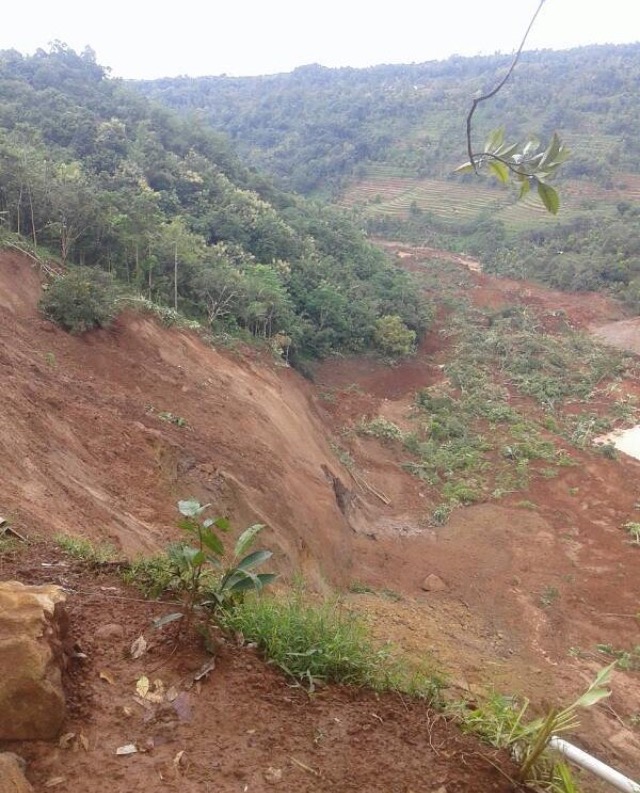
column 536, row 581
column 85, row 449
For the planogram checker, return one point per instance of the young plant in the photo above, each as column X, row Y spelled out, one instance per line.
column 202, row 574
column 633, row 530
column 504, row 724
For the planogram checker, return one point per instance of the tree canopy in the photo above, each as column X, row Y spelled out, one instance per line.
column 93, row 171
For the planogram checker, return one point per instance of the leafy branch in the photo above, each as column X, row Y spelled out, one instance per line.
column 523, row 162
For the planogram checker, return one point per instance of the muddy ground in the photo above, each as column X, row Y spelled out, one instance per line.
column 88, row 448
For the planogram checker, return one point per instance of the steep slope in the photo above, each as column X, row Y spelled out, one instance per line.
column 541, row 584
column 89, row 446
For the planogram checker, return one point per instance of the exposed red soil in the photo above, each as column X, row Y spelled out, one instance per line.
column 84, row 451
column 243, row 727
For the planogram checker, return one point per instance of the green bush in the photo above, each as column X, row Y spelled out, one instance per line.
column 393, row 338
column 81, row 300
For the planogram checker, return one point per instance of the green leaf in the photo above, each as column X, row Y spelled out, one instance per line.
column 604, row 675
column 524, row 188
column 213, row 542
column 188, row 524
column 530, row 147
column 500, row 170
column 591, row 697
column 222, row 524
column 168, row 618
column 197, row 559
column 495, row 139
column 549, row 198
column 191, row 508
column 254, row 559
column 245, row 540
column 249, row 582
column 507, row 151
column 468, row 167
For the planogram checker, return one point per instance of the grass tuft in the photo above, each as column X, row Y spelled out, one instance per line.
column 84, row 550
column 313, row 642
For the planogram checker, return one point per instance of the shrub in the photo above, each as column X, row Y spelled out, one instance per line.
column 392, row 337
column 81, row 300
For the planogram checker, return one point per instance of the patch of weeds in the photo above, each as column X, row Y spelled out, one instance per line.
column 313, row 642
column 462, row 492
column 583, row 428
column 179, row 421
column 574, row 491
column 633, row 530
column 526, row 504
column 509, row 387
column 608, row 450
column 441, row 514
column 502, row 721
column 343, row 455
column 357, row 588
column 380, row 428
column 627, row 660
column 391, row 594
column 84, row 550
column 327, row 396
column 8, row 545
column 548, row 596
column 169, row 317
column 634, row 721
column 151, row 575
column 50, row 360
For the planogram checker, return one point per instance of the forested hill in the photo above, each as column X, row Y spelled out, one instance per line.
column 315, row 126
column 384, row 142
column 97, row 175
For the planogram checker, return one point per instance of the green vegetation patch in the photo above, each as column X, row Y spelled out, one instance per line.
column 323, row 641
column 520, row 388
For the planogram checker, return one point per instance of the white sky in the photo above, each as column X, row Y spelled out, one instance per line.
column 141, row 39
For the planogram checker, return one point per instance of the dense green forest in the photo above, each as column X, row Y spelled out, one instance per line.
column 101, row 177
column 384, row 142
column 316, row 126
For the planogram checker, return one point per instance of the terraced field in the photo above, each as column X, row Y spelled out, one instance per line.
column 387, row 191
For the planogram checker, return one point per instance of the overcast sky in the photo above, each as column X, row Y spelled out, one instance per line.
column 142, row 39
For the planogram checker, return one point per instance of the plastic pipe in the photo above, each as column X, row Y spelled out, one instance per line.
column 597, row 767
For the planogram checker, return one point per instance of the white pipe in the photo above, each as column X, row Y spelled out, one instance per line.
column 597, row 767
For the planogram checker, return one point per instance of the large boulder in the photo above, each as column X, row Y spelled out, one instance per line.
column 12, row 779
column 33, row 628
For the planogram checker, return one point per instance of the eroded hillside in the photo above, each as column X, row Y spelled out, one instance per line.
column 102, row 433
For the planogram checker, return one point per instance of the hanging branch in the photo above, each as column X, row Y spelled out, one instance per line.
column 501, row 84
column 523, row 162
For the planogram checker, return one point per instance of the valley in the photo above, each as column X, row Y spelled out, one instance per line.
column 537, row 580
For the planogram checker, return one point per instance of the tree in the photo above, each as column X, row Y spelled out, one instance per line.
column 392, row 337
